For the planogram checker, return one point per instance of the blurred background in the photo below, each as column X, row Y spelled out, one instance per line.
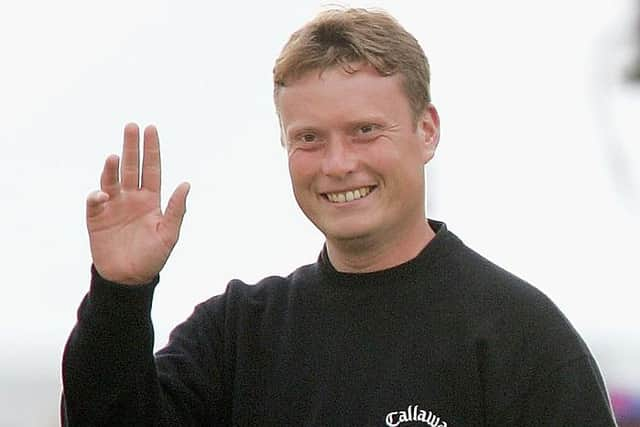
column 538, row 166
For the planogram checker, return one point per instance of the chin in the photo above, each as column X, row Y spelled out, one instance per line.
column 345, row 233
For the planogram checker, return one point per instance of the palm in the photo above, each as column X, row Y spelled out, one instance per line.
column 130, row 237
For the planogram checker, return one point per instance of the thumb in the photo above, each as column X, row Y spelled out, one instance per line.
column 95, row 203
column 176, row 209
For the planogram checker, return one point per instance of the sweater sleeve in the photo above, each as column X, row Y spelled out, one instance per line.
column 111, row 377
column 572, row 394
column 558, row 381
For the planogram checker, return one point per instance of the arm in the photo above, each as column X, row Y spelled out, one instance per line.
column 571, row 394
column 107, row 367
column 111, row 377
column 555, row 381
column 109, row 372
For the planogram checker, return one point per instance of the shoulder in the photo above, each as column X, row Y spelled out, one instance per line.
column 505, row 308
column 465, row 273
column 266, row 294
column 492, row 286
column 532, row 360
column 271, row 287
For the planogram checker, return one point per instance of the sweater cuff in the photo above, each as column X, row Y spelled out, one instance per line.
column 113, row 299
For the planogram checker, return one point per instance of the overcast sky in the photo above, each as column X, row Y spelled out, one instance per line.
column 537, row 167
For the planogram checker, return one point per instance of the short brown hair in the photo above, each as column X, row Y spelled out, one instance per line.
column 344, row 36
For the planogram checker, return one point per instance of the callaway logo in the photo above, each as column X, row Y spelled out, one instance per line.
column 415, row 414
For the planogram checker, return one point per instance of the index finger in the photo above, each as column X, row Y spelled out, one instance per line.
column 151, row 172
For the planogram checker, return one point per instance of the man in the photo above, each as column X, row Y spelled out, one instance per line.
column 398, row 323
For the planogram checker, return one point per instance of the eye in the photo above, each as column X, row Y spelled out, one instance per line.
column 366, row 129
column 367, row 132
column 307, row 138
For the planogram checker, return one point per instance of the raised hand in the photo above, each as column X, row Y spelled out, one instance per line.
column 130, row 237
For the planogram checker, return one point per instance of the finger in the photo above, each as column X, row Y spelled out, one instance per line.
column 130, row 158
column 151, row 160
column 175, row 211
column 109, row 179
column 95, row 203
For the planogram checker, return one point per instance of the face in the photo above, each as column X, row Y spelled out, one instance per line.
column 357, row 154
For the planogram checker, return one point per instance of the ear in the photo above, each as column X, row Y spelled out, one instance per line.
column 429, row 131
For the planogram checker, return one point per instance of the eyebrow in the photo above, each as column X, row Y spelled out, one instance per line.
column 366, row 120
column 363, row 120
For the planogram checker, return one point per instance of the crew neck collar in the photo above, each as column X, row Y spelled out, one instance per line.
column 429, row 255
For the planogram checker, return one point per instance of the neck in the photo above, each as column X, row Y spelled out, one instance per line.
column 368, row 253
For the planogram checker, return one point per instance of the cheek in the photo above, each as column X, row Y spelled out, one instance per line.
column 383, row 156
column 399, row 160
column 300, row 168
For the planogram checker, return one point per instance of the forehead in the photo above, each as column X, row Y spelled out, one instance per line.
column 334, row 93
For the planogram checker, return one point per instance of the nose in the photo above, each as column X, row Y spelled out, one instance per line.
column 339, row 158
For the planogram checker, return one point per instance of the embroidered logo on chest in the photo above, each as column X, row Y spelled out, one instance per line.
column 414, row 414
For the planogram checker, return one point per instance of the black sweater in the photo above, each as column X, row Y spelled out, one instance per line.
column 446, row 339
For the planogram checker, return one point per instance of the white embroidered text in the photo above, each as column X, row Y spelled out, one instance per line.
column 414, row 413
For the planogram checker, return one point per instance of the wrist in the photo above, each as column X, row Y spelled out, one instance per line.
column 122, row 280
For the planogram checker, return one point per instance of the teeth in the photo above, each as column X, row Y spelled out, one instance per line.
column 349, row 196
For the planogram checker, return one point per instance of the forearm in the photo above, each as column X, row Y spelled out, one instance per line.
column 109, row 372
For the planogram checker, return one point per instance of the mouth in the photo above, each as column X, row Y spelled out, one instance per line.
column 349, row 195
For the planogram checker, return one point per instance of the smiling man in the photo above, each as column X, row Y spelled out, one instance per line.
column 397, row 323
column 356, row 161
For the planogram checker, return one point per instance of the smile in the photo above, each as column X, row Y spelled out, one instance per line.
column 349, row 196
